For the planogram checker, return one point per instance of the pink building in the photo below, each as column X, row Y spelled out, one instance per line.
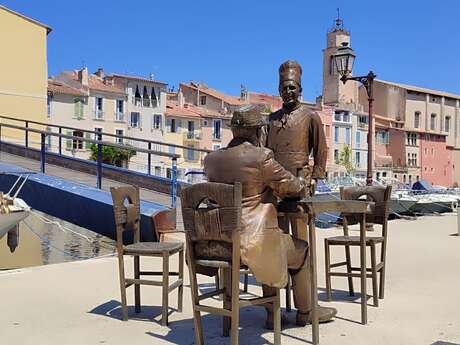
column 436, row 161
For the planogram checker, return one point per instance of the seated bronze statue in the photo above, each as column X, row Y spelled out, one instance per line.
column 268, row 252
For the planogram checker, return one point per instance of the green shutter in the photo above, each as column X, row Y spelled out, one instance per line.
column 87, row 144
column 68, row 142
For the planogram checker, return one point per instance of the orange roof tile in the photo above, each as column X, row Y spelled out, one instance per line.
column 58, row 87
column 232, row 100
column 191, row 110
column 96, row 83
column 133, row 77
column 262, row 98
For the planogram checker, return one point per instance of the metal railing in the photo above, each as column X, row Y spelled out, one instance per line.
column 153, row 148
column 119, row 116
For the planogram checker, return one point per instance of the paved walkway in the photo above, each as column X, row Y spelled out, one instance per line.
column 78, row 303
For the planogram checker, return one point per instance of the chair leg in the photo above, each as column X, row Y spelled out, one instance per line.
column 217, row 280
column 374, row 276
column 235, row 281
column 245, row 285
column 226, row 320
column 277, row 319
column 180, row 292
column 137, row 287
column 121, row 270
column 194, row 292
column 382, row 273
column 288, row 295
column 349, row 271
column 164, row 306
column 327, row 260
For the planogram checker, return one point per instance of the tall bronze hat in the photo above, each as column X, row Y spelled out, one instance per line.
column 249, row 115
column 290, row 70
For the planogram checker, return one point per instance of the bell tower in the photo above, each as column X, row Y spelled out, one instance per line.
column 334, row 91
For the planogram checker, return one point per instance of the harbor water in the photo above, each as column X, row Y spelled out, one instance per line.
column 44, row 240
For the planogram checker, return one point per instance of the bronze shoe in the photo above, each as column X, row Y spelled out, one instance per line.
column 269, row 324
column 325, row 314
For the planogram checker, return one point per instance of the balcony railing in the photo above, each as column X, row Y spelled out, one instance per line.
column 119, row 116
column 98, row 115
column 192, row 135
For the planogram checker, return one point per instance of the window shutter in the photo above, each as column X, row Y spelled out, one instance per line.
column 87, row 144
column 140, row 121
column 68, row 142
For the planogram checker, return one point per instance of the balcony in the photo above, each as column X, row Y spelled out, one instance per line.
column 191, row 136
column 119, row 116
column 362, row 125
column 98, row 115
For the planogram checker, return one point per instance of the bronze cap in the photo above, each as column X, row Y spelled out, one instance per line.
column 290, row 70
column 249, row 115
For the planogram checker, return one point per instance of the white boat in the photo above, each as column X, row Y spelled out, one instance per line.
column 12, row 208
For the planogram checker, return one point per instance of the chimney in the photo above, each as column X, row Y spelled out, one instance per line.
column 83, row 76
column 180, row 99
column 100, row 72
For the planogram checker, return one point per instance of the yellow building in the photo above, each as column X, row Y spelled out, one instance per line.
column 23, row 71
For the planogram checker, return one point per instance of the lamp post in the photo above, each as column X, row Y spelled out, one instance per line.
column 344, row 62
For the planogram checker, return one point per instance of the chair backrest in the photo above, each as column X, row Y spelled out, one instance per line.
column 212, row 219
column 379, row 195
column 164, row 223
column 126, row 209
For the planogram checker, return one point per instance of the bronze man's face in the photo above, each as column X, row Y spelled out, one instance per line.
column 290, row 92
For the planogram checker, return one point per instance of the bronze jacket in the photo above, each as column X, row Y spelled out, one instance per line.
column 262, row 244
column 293, row 136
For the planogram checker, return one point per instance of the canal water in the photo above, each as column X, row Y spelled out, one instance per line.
column 44, row 240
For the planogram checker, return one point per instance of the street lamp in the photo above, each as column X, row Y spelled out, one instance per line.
column 344, row 60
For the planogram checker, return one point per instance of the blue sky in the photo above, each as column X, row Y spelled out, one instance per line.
column 228, row 43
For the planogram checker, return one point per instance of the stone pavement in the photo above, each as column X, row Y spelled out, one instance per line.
column 78, row 303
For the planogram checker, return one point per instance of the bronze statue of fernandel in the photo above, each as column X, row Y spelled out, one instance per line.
column 295, row 131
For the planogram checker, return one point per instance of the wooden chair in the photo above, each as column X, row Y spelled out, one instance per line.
column 126, row 206
column 378, row 215
column 212, row 222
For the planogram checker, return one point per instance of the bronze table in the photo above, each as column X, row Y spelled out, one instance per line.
column 307, row 210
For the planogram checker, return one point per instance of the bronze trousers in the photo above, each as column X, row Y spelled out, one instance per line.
column 298, row 262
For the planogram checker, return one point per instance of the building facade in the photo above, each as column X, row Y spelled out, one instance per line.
column 23, row 71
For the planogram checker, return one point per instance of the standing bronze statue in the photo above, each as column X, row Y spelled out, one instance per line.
column 295, row 134
column 295, row 131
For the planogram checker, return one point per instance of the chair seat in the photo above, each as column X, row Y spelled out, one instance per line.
column 145, row 248
column 353, row 240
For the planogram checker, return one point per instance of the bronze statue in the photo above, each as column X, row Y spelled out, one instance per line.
column 265, row 249
column 295, row 130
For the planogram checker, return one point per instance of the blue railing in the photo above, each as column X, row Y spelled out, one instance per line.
column 45, row 134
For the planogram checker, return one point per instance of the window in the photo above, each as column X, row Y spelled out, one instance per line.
column 342, row 116
column 432, row 151
column 202, row 100
column 447, row 124
column 98, row 136
column 417, row 119
column 156, row 122
column 137, row 97
column 358, row 159
column 362, row 120
column 77, row 144
column 414, row 159
column 157, row 171
column 48, row 105
column 78, row 108
column 120, row 105
column 172, row 150
column 217, row 129
column 347, row 135
column 358, row 138
column 336, row 155
column 169, row 173
column 119, row 136
column 382, row 137
column 155, row 102
column 135, row 119
column 384, row 174
column 433, row 122
column 205, row 122
column 191, row 126
column 411, row 139
column 216, row 147
column 336, row 134
column 172, row 125
column 145, row 98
